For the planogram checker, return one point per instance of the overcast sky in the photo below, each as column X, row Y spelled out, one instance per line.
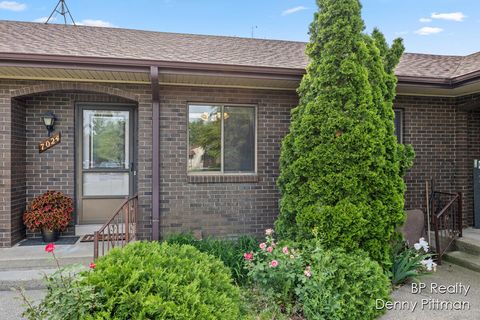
column 428, row 26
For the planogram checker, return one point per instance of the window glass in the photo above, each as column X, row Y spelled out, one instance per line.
column 398, row 125
column 105, row 139
column 204, row 137
column 221, row 139
column 239, row 139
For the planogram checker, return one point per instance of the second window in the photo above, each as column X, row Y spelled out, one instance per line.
column 221, row 139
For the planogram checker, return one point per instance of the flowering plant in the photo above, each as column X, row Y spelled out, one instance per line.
column 67, row 297
column 276, row 269
column 51, row 210
column 409, row 263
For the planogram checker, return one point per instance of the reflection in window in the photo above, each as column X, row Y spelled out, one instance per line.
column 239, row 139
column 106, row 139
column 398, row 125
column 221, row 143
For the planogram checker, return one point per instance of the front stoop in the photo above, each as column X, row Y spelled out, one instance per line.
column 467, row 250
column 24, row 267
column 463, row 259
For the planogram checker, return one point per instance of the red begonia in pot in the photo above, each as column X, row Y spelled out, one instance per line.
column 50, row 213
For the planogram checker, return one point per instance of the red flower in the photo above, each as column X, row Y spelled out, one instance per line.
column 92, row 265
column 50, row 247
column 248, row 256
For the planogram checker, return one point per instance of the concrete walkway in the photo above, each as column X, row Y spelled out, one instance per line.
column 22, row 266
column 11, row 305
column 447, row 275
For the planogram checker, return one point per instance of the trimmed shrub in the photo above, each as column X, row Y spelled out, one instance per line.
column 341, row 165
column 229, row 251
column 342, row 286
column 149, row 280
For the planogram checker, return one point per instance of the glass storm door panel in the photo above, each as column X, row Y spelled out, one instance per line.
column 106, row 172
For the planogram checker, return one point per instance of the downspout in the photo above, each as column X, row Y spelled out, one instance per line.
column 156, row 153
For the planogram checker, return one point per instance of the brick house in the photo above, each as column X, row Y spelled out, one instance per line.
column 193, row 125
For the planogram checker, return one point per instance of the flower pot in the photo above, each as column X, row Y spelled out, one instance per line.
column 50, row 235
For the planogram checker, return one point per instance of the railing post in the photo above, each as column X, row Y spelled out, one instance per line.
column 437, row 240
column 127, row 223
column 95, row 245
column 460, row 215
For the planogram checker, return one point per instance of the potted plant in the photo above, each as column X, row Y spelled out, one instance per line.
column 50, row 213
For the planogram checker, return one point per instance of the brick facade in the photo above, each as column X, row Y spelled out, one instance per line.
column 24, row 173
column 442, row 131
column 223, row 206
column 444, row 134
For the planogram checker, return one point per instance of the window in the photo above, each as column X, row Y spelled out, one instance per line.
column 399, row 124
column 221, row 139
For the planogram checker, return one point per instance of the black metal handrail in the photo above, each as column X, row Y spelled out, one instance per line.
column 119, row 230
column 447, row 220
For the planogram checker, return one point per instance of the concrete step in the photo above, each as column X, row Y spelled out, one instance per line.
column 468, row 245
column 26, row 279
column 464, row 259
column 41, row 263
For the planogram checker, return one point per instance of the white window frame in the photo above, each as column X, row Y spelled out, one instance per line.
column 221, row 172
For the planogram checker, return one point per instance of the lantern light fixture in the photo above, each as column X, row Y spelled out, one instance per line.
column 49, row 122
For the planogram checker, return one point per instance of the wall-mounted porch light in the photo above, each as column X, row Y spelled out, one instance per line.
column 49, row 121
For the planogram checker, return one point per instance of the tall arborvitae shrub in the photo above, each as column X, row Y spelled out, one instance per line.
column 341, row 166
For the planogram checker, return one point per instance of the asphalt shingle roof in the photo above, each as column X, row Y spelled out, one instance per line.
column 56, row 39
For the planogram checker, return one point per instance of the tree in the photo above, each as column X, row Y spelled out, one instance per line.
column 341, row 165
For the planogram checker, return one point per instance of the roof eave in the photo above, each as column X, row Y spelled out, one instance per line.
column 142, row 65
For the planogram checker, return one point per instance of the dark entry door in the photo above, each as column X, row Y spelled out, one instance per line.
column 105, row 158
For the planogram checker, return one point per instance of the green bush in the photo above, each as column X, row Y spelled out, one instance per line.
column 342, row 286
column 229, row 251
column 149, row 280
column 341, row 165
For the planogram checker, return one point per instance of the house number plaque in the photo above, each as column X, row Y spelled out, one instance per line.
column 49, row 143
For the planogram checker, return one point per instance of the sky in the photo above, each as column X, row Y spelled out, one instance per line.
column 448, row 27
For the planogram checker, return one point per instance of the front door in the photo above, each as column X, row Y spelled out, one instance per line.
column 105, row 161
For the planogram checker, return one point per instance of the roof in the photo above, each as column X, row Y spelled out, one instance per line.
column 17, row 38
column 437, row 66
column 56, row 39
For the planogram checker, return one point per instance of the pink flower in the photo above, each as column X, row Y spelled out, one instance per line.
column 50, row 247
column 92, row 265
column 270, row 249
column 274, row 264
column 263, row 245
column 269, row 232
column 307, row 272
column 248, row 256
column 285, row 250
